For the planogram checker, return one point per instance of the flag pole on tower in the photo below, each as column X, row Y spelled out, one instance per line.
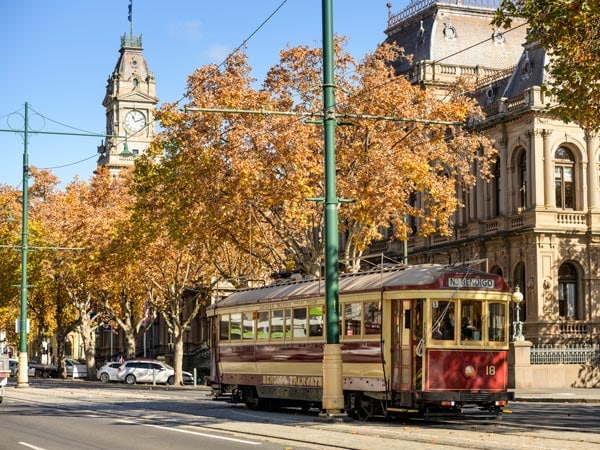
column 130, row 18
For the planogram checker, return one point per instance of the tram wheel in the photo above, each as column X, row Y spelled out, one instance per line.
column 363, row 408
column 252, row 400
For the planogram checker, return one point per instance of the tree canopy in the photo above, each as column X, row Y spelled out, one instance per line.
column 569, row 30
column 244, row 179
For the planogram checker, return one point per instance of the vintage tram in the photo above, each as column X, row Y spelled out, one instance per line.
column 423, row 340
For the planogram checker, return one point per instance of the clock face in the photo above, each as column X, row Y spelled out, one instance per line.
column 135, row 121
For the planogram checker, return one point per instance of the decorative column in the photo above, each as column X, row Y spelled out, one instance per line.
column 504, row 175
column 592, row 170
column 549, row 196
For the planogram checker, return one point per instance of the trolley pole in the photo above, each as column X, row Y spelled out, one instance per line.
column 333, row 396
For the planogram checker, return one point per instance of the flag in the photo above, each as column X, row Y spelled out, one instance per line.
column 130, row 9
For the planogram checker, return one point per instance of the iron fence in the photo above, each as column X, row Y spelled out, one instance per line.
column 575, row 354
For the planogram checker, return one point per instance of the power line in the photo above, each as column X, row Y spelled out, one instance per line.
column 247, row 39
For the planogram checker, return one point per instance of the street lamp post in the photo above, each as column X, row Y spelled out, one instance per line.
column 517, row 298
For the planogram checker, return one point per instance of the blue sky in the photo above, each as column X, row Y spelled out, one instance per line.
column 57, row 56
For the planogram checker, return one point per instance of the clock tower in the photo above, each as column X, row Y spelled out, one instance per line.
column 130, row 102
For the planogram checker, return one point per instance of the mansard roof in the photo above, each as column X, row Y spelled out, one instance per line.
column 454, row 32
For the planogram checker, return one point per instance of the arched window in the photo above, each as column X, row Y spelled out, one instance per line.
column 564, row 180
column 523, row 180
column 497, row 270
column 567, row 292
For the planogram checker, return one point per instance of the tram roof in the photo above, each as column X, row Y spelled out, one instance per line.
column 430, row 276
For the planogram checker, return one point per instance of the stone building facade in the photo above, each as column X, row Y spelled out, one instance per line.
column 538, row 221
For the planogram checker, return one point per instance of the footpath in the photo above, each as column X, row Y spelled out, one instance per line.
column 558, row 395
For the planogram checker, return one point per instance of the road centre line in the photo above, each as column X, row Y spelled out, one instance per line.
column 196, row 433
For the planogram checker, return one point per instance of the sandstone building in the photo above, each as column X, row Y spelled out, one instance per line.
column 538, row 221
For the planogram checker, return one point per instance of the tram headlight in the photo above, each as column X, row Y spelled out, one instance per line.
column 469, row 371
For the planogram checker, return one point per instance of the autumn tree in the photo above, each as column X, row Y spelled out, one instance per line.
column 569, row 30
column 175, row 272
column 233, row 172
column 82, row 221
column 10, row 259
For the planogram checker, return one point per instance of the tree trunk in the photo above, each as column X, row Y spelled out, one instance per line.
column 178, row 361
column 130, row 340
column 89, row 345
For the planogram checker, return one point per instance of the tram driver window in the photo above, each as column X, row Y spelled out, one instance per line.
column 497, row 322
column 442, row 320
column 470, row 322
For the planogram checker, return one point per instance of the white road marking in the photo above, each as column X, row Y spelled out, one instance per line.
column 25, row 444
column 195, row 433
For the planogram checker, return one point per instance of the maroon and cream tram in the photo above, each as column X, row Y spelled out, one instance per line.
column 415, row 339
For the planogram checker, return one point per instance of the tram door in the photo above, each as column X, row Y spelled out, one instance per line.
column 402, row 364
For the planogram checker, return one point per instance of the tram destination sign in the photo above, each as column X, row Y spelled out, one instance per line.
column 462, row 282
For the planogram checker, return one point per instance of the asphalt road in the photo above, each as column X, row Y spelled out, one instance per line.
column 58, row 415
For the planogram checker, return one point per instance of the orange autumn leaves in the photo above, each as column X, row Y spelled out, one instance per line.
column 244, row 179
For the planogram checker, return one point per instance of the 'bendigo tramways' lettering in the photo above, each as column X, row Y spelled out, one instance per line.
column 292, row 380
column 486, row 283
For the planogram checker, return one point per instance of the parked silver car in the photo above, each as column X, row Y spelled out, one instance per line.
column 149, row 371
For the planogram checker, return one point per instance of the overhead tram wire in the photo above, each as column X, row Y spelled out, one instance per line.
column 71, row 128
column 248, row 38
column 300, row 118
column 380, row 85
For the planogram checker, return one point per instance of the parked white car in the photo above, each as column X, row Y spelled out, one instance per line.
column 109, row 372
column 149, row 371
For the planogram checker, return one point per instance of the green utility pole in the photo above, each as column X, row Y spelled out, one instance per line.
column 333, row 395
column 23, row 378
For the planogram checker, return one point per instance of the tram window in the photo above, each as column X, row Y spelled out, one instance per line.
column 497, row 324
column 287, row 324
column 236, row 326
column 470, row 320
column 372, row 318
column 315, row 321
column 352, row 319
column 247, row 326
column 299, row 323
column 277, row 323
column 262, row 331
column 224, row 327
column 442, row 320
